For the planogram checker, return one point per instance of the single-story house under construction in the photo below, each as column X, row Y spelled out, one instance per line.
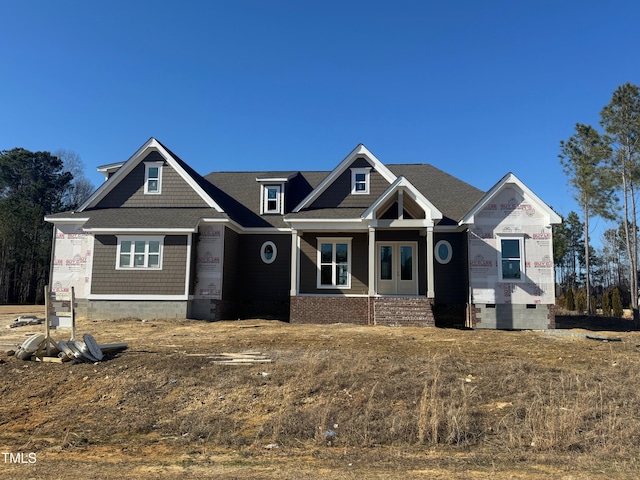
column 365, row 242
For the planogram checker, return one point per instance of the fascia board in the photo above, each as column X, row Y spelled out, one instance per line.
column 135, row 297
column 66, row 220
column 235, row 226
column 129, row 231
column 341, row 224
column 122, row 172
column 510, row 178
column 360, row 150
column 151, row 145
column 240, row 229
column 411, row 223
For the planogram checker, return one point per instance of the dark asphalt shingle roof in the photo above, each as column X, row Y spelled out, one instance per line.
column 238, row 194
column 168, row 218
column 452, row 196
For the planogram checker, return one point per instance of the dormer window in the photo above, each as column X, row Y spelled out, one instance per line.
column 152, row 177
column 272, row 193
column 272, row 199
column 360, row 181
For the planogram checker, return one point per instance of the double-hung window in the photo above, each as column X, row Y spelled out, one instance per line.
column 272, row 197
column 152, row 177
column 360, row 180
column 334, row 263
column 139, row 253
column 511, row 262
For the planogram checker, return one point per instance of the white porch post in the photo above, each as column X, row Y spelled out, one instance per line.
column 431, row 293
column 372, row 261
column 294, row 263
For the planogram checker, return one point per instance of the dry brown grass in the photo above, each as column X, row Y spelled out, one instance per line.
column 352, row 402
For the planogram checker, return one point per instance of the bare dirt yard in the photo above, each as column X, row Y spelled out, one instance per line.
column 334, row 401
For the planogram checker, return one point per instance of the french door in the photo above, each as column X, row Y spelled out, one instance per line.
column 397, row 268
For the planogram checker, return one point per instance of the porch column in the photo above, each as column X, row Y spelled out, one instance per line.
column 294, row 263
column 431, row 292
column 372, row 261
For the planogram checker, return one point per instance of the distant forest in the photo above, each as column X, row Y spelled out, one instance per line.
column 32, row 185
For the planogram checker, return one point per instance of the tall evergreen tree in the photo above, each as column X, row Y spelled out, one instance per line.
column 567, row 244
column 582, row 157
column 621, row 121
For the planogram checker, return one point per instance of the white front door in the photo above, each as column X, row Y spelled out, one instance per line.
column 397, row 272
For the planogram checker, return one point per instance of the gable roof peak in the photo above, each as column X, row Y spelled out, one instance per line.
column 358, row 152
column 512, row 180
column 192, row 178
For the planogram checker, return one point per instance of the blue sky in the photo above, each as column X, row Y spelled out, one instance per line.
column 476, row 88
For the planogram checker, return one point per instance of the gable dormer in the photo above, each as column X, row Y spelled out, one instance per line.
column 358, row 179
column 272, row 193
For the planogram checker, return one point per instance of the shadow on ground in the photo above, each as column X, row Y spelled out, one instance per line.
column 595, row 323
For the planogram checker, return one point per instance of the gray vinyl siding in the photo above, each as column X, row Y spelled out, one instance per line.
column 451, row 279
column 338, row 194
column 309, row 260
column 168, row 281
column 129, row 192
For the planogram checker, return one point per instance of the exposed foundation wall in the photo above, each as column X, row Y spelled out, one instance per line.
column 205, row 309
column 144, row 310
column 513, row 316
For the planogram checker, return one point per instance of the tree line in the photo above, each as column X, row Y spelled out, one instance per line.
column 32, row 185
column 603, row 168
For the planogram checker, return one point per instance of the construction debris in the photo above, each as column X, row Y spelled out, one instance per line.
column 38, row 347
column 243, row 358
column 42, row 348
column 603, row 338
column 23, row 320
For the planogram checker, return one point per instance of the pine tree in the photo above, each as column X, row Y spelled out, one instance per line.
column 582, row 157
column 571, row 302
column 606, row 304
column 581, row 301
column 616, row 301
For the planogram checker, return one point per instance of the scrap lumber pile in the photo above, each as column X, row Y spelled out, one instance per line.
column 242, row 358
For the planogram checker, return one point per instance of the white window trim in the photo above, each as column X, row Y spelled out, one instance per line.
column 264, row 191
column 262, row 252
column 367, row 176
column 333, row 241
column 147, row 166
column 133, row 239
column 520, row 239
column 444, row 261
